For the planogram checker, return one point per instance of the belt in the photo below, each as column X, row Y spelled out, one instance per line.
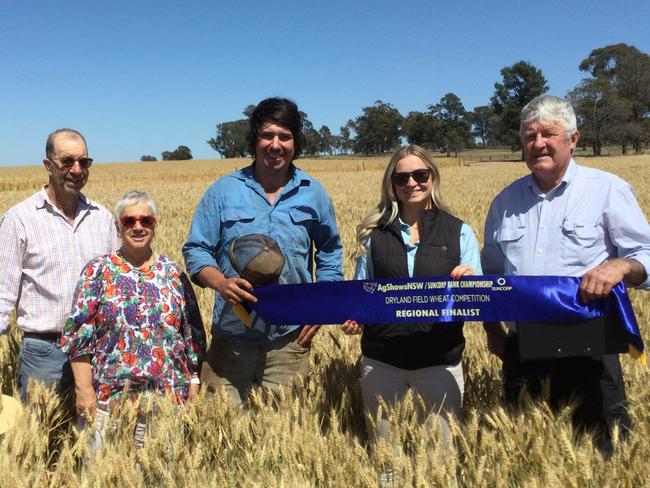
column 43, row 336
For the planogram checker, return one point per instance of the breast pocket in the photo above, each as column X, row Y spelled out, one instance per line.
column 581, row 243
column 301, row 226
column 235, row 219
column 512, row 243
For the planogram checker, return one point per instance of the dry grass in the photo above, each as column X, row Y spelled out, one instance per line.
column 317, row 438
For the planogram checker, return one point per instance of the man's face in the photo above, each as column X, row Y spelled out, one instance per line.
column 547, row 150
column 68, row 181
column 274, row 149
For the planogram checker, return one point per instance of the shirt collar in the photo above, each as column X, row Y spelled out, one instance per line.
column 569, row 174
column 42, row 199
column 298, row 177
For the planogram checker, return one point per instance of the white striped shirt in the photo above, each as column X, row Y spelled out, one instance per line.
column 41, row 256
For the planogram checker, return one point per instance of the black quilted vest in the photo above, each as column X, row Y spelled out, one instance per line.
column 415, row 345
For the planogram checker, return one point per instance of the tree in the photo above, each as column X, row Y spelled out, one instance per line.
column 148, row 158
column 454, row 126
column 479, row 119
column 182, row 153
column 521, row 83
column 628, row 70
column 231, row 140
column 345, row 137
column 601, row 113
column 421, row 128
column 378, row 130
column 310, row 135
column 327, row 140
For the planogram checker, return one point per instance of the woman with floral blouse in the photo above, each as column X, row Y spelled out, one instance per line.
column 134, row 320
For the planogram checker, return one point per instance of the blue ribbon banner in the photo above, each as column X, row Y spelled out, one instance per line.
column 487, row 298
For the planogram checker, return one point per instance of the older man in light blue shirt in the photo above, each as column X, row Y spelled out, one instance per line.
column 567, row 220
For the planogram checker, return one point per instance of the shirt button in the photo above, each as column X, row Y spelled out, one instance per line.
column 539, row 251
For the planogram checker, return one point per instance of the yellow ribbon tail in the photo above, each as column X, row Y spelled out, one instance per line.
column 639, row 356
column 243, row 315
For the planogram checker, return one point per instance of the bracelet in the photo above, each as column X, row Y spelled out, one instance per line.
column 195, row 380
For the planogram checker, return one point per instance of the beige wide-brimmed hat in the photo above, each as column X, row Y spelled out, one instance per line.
column 10, row 411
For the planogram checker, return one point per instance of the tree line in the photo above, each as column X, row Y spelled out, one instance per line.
column 612, row 105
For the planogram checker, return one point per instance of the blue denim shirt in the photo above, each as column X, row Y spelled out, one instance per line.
column 590, row 217
column 301, row 220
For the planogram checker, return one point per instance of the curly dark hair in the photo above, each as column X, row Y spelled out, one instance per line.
column 280, row 111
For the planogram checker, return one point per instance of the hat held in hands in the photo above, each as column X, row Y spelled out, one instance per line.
column 258, row 259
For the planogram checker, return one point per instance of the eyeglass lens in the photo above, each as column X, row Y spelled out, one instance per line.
column 145, row 221
column 420, row 176
column 68, row 162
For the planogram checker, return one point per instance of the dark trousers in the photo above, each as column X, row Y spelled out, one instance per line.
column 593, row 383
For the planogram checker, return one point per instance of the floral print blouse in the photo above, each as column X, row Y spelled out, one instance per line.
column 139, row 325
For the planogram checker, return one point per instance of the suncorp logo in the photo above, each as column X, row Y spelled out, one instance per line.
column 501, row 282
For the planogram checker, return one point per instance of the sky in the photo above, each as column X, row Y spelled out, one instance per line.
column 140, row 77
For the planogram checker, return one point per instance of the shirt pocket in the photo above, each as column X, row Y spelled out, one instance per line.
column 303, row 222
column 581, row 243
column 512, row 243
column 236, row 219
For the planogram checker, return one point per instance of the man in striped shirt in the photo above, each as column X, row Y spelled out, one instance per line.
column 45, row 241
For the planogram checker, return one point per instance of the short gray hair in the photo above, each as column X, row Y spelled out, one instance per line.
column 132, row 198
column 69, row 133
column 549, row 109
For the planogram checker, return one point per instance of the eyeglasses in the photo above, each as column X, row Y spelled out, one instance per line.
column 419, row 175
column 68, row 162
column 147, row 221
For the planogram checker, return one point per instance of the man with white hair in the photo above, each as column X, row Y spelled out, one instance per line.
column 45, row 241
column 564, row 219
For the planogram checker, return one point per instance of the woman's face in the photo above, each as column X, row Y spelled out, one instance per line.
column 412, row 182
column 137, row 228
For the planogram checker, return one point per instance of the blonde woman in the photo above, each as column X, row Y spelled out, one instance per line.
column 411, row 233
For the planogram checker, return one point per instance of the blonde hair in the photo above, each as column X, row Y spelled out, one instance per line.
column 389, row 203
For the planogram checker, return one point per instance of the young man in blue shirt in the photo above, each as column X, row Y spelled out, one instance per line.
column 274, row 198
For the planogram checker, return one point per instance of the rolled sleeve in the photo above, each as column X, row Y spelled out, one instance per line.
column 469, row 252
column 12, row 248
column 628, row 228
column 199, row 250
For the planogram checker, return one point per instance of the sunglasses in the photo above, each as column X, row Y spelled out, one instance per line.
column 419, row 175
column 147, row 221
column 68, row 162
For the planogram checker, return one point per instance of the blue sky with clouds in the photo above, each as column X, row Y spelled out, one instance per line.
column 141, row 77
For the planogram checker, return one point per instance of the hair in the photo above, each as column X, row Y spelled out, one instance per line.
column 69, row 133
column 131, row 198
column 280, row 111
column 389, row 204
column 549, row 109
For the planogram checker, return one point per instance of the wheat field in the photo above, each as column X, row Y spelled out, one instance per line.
column 316, row 437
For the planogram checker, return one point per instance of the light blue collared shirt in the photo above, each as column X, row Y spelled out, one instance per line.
column 469, row 253
column 301, row 219
column 590, row 217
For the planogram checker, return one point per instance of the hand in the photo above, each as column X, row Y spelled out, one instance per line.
column 306, row 334
column 461, row 270
column 235, row 290
column 496, row 339
column 351, row 327
column 193, row 393
column 598, row 282
column 86, row 402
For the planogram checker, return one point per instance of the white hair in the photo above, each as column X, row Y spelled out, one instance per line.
column 547, row 109
column 132, row 198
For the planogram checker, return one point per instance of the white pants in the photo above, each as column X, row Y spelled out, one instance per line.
column 441, row 389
